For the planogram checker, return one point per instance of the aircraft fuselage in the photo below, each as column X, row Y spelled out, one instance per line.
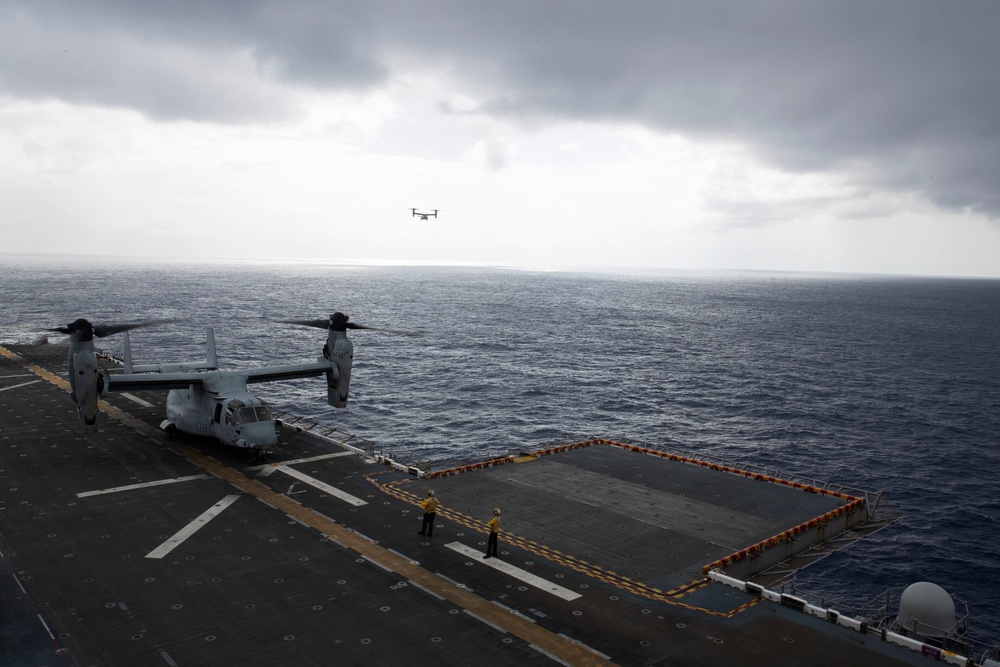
column 222, row 408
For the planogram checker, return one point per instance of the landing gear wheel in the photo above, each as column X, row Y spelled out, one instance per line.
column 171, row 431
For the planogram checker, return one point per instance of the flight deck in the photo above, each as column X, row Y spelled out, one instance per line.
column 123, row 547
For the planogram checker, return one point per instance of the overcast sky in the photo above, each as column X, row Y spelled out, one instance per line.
column 858, row 136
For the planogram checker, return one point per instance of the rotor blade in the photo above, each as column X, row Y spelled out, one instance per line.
column 347, row 324
column 319, row 324
column 83, row 326
column 397, row 332
column 102, row 330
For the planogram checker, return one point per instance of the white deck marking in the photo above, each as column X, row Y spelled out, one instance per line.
column 268, row 468
column 376, row 563
column 132, row 487
column 136, row 399
column 514, row 571
column 193, row 527
column 322, row 486
column 514, row 611
column 46, row 626
column 23, row 384
column 424, row 589
column 484, row 621
column 582, row 645
column 551, row 657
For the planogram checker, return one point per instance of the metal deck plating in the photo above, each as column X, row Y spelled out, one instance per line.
column 123, row 548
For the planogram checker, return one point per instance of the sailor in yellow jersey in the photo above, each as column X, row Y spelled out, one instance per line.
column 430, row 505
column 494, row 524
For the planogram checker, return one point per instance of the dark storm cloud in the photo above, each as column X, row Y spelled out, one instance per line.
column 905, row 93
column 219, row 61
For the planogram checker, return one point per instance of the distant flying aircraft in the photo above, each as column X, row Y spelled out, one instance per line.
column 424, row 216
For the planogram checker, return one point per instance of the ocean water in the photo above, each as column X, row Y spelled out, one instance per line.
column 873, row 382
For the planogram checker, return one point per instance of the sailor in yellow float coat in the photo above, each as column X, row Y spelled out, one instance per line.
column 430, row 505
column 494, row 524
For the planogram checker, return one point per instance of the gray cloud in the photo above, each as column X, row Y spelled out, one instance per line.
column 218, row 61
column 905, row 93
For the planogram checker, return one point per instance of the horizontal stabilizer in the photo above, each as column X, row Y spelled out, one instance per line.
column 149, row 381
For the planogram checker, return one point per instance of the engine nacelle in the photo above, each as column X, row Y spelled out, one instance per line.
column 87, row 384
column 341, row 353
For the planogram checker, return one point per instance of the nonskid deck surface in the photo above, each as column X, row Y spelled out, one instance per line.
column 123, row 548
column 655, row 522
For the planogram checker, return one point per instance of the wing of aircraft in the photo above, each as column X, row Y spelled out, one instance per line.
column 290, row 372
column 213, row 380
column 335, row 364
column 152, row 381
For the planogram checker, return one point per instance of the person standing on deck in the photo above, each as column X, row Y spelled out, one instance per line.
column 430, row 505
column 494, row 524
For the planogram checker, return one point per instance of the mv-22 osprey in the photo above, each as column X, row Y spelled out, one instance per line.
column 202, row 399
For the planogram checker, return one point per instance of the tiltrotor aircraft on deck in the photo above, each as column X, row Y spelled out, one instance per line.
column 424, row 216
column 202, row 399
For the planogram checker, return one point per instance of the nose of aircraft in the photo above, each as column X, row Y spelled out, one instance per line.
column 257, row 434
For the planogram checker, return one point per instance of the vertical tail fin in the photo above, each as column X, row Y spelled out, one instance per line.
column 128, row 354
column 210, row 356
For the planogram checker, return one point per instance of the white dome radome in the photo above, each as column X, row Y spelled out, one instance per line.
column 926, row 609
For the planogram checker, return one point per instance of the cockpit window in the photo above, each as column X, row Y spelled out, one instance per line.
column 243, row 416
column 249, row 415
